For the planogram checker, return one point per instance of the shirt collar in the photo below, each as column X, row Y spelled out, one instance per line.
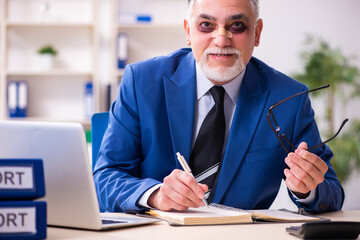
column 232, row 88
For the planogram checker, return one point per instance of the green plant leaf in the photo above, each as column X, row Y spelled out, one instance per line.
column 47, row 49
column 325, row 65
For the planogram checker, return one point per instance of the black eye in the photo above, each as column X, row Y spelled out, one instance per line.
column 237, row 27
column 206, row 27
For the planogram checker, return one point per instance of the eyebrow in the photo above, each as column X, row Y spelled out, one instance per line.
column 207, row 16
column 239, row 16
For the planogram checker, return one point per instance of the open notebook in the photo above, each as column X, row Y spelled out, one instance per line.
column 220, row 214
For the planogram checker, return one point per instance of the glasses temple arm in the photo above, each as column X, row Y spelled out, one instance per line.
column 337, row 133
column 287, row 99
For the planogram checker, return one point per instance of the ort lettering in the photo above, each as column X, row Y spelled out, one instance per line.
column 16, row 219
column 15, row 177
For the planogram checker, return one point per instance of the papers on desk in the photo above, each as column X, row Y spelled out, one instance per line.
column 280, row 216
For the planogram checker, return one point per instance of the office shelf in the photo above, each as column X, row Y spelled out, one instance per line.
column 161, row 36
column 44, row 25
column 50, row 73
column 55, row 93
column 150, row 26
column 85, row 34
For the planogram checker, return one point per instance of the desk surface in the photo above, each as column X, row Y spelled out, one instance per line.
column 162, row 230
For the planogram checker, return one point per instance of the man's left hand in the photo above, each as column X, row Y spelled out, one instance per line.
column 306, row 171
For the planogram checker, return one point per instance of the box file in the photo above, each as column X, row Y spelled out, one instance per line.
column 21, row 179
column 17, row 98
column 22, row 220
column 122, row 50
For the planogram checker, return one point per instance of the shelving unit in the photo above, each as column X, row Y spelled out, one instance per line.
column 85, row 34
column 161, row 36
column 54, row 94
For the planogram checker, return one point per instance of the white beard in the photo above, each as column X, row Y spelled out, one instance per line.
column 221, row 75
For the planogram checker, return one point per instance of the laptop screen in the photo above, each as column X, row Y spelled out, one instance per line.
column 70, row 192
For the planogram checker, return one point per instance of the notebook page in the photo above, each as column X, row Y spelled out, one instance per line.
column 201, row 212
column 278, row 215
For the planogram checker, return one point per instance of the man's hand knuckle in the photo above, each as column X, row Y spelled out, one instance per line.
column 185, row 191
column 176, row 172
column 166, row 180
column 320, row 179
column 297, row 183
column 309, row 168
column 188, row 180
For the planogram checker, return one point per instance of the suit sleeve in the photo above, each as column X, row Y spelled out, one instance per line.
column 117, row 170
column 329, row 194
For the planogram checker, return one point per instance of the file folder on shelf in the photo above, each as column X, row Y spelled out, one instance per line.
column 122, row 50
column 21, row 179
column 17, row 98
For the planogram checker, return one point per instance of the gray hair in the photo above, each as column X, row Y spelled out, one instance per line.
column 254, row 3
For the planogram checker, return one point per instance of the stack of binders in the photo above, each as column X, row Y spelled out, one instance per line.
column 21, row 183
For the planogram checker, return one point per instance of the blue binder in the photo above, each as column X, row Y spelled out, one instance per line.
column 17, row 98
column 21, row 179
column 122, row 50
column 22, row 220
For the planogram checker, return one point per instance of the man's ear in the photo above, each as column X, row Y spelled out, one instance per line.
column 258, row 30
column 187, row 32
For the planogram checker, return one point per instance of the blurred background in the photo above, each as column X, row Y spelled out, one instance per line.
column 62, row 60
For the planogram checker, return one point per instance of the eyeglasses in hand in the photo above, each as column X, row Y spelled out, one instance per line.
column 285, row 143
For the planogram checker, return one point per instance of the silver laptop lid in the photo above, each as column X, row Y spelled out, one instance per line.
column 70, row 192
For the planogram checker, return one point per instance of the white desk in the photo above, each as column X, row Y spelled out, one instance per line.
column 162, row 231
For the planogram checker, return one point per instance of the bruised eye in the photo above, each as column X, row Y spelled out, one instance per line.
column 206, row 27
column 237, row 27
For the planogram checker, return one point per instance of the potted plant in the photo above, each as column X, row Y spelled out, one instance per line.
column 47, row 54
column 323, row 65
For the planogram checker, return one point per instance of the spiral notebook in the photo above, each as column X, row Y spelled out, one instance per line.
column 220, row 214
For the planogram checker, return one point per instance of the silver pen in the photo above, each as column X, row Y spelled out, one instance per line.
column 187, row 169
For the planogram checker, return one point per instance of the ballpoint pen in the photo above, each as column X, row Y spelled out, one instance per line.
column 187, row 169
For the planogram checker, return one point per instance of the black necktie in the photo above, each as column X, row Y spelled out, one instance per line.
column 206, row 154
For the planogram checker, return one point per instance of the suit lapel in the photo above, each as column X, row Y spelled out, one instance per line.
column 249, row 110
column 180, row 104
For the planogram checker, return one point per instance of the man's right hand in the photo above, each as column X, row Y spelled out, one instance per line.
column 178, row 192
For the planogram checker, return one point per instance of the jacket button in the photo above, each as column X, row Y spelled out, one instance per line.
column 323, row 206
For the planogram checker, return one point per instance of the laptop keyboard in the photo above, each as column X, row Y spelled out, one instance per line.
column 108, row 221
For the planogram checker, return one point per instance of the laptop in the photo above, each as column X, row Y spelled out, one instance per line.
column 70, row 191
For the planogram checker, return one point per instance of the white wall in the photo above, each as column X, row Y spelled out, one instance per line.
column 287, row 21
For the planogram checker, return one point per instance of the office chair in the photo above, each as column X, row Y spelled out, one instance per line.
column 99, row 124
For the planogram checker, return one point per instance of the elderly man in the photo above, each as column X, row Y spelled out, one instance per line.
column 209, row 103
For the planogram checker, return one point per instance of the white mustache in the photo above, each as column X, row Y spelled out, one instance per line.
column 216, row 50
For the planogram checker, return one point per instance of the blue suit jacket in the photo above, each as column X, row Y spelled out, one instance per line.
column 153, row 117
